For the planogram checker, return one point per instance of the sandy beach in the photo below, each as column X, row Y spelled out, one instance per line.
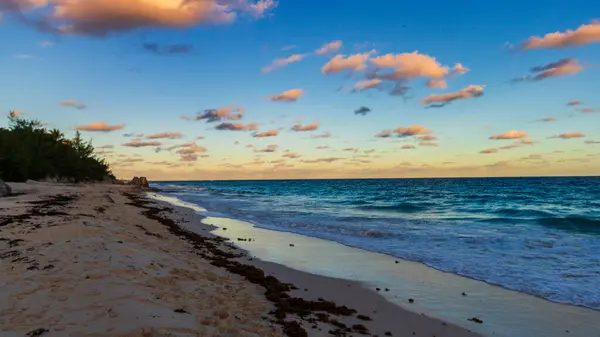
column 102, row 260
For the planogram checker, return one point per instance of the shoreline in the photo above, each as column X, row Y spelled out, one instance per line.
column 504, row 312
column 142, row 279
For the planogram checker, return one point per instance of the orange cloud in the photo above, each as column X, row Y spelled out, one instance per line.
column 289, row 96
column 100, row 127
column 309, row 127
column 583, row 35
column 291, row 155
column 488, row 151
column 384, row 134
column 562, row 67
column 513, row 134
column 407, row 66
column 192, row 150
column 322, row 147
column 546, row 119
column 268, row 149
column 427, row 138
column 322, row 160
column 180, row 146
column 472, row 91
column 588, row 110
column 440, row 84
column 330, row 47
column 219, row 114
column 339, row 63
column 413, row 130
column 433, row 144
column 270, row 133
column 282, row 62
column 141, row 144
column 367, row 84
column 74, row 104
column 569, row 135
column 237, row 126
column 408, row 147
column 103, row 17
column 164, row 135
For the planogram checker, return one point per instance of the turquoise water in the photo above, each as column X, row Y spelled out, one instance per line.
column 540, row 236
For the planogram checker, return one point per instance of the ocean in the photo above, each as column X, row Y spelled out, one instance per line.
column 539, row 236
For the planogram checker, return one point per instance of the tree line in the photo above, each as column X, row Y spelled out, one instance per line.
column 30, row 151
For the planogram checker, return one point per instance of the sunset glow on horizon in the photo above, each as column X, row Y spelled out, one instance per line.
column 265, row 89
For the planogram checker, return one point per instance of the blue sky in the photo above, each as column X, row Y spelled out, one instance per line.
column 121, row 82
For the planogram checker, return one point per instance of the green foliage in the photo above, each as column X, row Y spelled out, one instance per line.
column 28, row 151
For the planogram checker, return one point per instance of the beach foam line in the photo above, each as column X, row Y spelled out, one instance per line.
column 436, row 293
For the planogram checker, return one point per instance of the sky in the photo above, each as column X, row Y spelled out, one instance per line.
column 265, row 89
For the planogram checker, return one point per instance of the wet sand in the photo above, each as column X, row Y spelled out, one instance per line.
column 443, row 295
column 101, row 260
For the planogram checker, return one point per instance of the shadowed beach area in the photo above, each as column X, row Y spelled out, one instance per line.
column 104, row 260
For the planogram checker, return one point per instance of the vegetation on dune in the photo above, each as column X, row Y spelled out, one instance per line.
column 29, row 151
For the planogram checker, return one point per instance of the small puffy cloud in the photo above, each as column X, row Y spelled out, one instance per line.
column 270, row 133
column 291, row 155
column 103, row 17
column 363, row 110
column 340, row 63
column 574, row 102
column 589, row 110
column 367, row 84
column 139, row 135
column 513, row 134
column 322, row 160
column 384, row 134
column 237, row 126
column 142, row 144
column 330, row 47
column 432, row 144
column 192, row 150
column 220, row 114
column 73, row 104
column 569, row 135
column 166, row 135
column 546, row 119
column 173, row 147
column 99, row 127
column 562, row 67
column 289, row 96
column 427, row 138
column 439, row 84
column 583, row 35
column 407, row 66
column 282, row 62
column 408, row 147
column 167, row 49
column 526, row 141
column 308, row 127
column 325, row 134
column 472, row 91
column 349, row 149
column 46, row 44
column 488, row 151
column 322, row 147
column 188, row 157
column 413, row 130
column 268, row 149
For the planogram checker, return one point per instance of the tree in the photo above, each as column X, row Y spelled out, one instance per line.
column 29, row 151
